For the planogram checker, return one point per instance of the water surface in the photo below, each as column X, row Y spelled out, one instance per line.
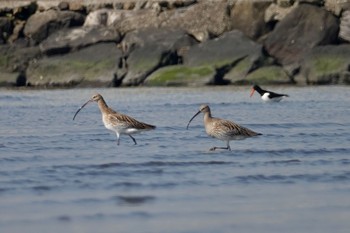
column 60, row 175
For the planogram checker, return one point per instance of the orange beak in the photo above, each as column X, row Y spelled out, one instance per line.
column 252, row 92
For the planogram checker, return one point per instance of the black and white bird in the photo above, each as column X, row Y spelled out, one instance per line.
column 267, row 96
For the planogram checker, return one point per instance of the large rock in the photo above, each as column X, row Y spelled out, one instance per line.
column 68, row 40
column 105, row 17
column 209, row 62
column 205, row 17
column 326, row 65
column 222, row 54
column 275, row 12
column 123, row 20
column 92, row 66
column 149, row 49
column 40, row 25
column 268, row 75
column 16, row 59
column 248, row 17
column 13, row 63
column 201, row 19
column 337, row 6
column 7, row 74
column 304, row 28
column 344, row 32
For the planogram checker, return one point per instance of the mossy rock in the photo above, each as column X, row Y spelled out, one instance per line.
column 7, row 78
column 94, row 65
column 180, row 75
column 326, row 65
column 269, row 75
column 237, row 73
column 63, row 72
column 327, row 69
column 4, row 60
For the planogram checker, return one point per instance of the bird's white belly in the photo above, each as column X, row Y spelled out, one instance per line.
column 121, row 129
column 110, row 126
column 266, row 97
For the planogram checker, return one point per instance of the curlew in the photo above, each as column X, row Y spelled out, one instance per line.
column 117, row 122
column 221, row 129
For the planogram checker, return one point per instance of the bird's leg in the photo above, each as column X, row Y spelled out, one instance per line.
column 133, row 139
column 228, row 146
column 215, row 147
column 118, row 138
column 224, row 148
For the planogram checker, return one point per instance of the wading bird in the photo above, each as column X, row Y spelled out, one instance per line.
column 221, row 129
column 117, row 122
column 267, row 96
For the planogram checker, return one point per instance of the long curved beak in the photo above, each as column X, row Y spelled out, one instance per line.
column 81, row 108
column 192, row 118
column 252, row 92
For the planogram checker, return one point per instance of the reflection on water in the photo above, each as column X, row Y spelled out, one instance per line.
column 61, row 175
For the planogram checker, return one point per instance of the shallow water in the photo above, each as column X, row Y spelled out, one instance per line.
column 60, row 175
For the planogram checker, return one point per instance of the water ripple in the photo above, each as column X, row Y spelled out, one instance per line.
column 288, row 179
column 133, row 200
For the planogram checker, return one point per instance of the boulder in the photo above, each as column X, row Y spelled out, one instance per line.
column 17, row 31
column 77, row 5
column 63, row 6
column 326, row 65
column 149, row 49
column 268, row 75
column 123, row 20
column 7, row 75
column 42, row 24
column 16, row 59
column 134, row 20
column 205, row 17
column 13, row 63
column 91, row 66
column 336, row 6
column 276, row 12
column 238, row 73
column 67, row 40
column 210, row 62
column 222, row 54
column 344, row 32
column 105, row 17
column 248, row 17
column 304, row 28
column 200, row 19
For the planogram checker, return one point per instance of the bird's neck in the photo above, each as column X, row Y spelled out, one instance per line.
column 103, row 106
column 207, row 117
column 260, row 91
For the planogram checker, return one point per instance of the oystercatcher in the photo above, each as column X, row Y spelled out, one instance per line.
column 267, row 96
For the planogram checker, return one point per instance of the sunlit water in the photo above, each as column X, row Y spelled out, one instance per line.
column 60, row 175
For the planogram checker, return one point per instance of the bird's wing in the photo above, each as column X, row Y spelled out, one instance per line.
column 232, row 129
column 275, row 95
column 128, row 121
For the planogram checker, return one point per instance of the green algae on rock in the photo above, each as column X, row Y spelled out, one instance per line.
column 180, row 75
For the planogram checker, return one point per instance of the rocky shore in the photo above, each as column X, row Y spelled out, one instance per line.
column 111, row 43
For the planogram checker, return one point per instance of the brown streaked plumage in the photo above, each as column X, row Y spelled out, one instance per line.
column 117, row 122
column 222, row 129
